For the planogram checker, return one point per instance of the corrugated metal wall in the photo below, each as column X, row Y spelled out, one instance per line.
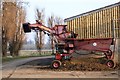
column 97, row 23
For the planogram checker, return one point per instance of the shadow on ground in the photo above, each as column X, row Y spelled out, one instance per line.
column 76, row 64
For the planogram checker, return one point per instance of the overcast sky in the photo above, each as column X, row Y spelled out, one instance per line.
column 64, row 8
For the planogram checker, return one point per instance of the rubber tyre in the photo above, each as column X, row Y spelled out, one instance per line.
column 56, row 64
column 110, row 63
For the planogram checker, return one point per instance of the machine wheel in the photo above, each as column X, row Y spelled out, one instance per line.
column 56, row 64
column 110, row 63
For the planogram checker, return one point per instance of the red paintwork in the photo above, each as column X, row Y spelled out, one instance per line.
column 60, row 32
column 58, row 56
column 102, row 44
column 71, row 43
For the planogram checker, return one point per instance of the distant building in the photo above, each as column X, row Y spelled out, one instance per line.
column 99, row 23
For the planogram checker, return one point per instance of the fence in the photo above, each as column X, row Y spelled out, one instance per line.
column 34, row 52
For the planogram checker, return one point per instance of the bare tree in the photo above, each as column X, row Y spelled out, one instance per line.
column 40, row 15
column 51, row 21
column 58, row 20
column 12, row 33
column 4, row 42
column 8, row 26
column 17, row 42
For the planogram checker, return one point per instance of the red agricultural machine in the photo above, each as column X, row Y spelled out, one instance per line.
column 66, row 43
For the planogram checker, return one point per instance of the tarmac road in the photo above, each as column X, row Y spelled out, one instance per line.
column 13, row 64
column 16, row 69
column 8, row 68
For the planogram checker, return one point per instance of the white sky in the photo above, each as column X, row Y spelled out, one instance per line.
column 64, row 8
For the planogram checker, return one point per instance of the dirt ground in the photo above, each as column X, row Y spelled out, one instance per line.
column 76, row 64
column 76, row 68
column 30, row 72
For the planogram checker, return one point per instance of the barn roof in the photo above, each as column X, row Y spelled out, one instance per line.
column 92, row 11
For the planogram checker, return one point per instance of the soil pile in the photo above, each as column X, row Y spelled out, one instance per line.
column 86, row 64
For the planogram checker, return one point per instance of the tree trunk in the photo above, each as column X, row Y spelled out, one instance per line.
column 4, row 48
column 11, row 48
column 4, row 42
column 40, row 41
column 52, row 44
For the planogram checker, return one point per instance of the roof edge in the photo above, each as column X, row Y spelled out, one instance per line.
column 95, row 10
